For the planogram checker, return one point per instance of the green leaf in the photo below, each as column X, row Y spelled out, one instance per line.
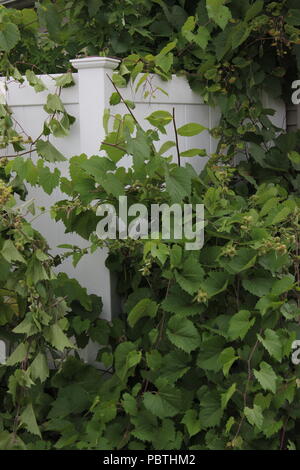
column 266, row 377
column 254, row 416
column 266, row 303
column 226, row 396
column 254, row 9
column 10, row 252
column 9, row 36
column 165, row 50
column 192, row 422
column 126, row 357
column 57, row 338
column 189, row 25
column 191, row 129
column 46, row 150
column 164, row 403
column 215, row 283
column 54, row 104
column 272, row 343
column 166, row 146
column 35, row 271
column 245, row 258
column 271, row 425
column 28, row 419
column 64, row 80
column 239, row 34
column 193, row 153
column 191, row 276
column 258, row 286
column 160, row 118
column 202, row 37
column 47, row 179
column 114, row 99
column 39, row 368
column 295, row 159
column 178, row 184
column 144, row 308
column 129, row 404
column 18, row 355
column 293, row 17
column 209, row 355
column 211, row 411
column 258, row 153
column 227, row 359
column 35, row 81
column 181, row 303
column 175, row 256
column 240, row 324
column 183, row 334
column 283, row 285
column 145, row 426
column 219, row 13
column 165, row 62
column 112, row 184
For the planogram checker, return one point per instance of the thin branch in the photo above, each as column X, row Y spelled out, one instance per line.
column 123, row 100
column 176, row 138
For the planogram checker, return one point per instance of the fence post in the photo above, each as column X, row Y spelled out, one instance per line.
column 2, row 352
column 95, row 90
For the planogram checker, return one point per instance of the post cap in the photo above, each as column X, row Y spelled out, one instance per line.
column 95, row 63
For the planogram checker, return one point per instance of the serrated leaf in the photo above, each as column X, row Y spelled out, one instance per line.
column 254, row 416
column 39, row 368
column 258, row 286
column 272, row 343
column 129, row 404
column 192, row 422
column 240, row 324
column 57, row 338
column 227, row 359
column 18, row 355
column 191, row 276
column 202, row 37
column 181, row 303
column 183, row 334
column 35, row 81
column 282, row 285
column 46, row 150
column 226, row 396
column 266, row 377
column 28, row 419
column 126, row 357
column 219, row 13
column 64, row 80
column 144, row 308
column 178, row 184
column 211, row 411
column 10, row 252
column 164, row 403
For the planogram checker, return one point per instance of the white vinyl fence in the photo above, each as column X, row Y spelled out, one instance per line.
column 87, row 101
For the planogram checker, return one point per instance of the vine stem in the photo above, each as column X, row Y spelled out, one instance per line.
column 245, row 394
column 176, row 138
column 123, row 100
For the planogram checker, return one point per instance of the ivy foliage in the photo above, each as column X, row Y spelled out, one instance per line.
column 199, row 356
